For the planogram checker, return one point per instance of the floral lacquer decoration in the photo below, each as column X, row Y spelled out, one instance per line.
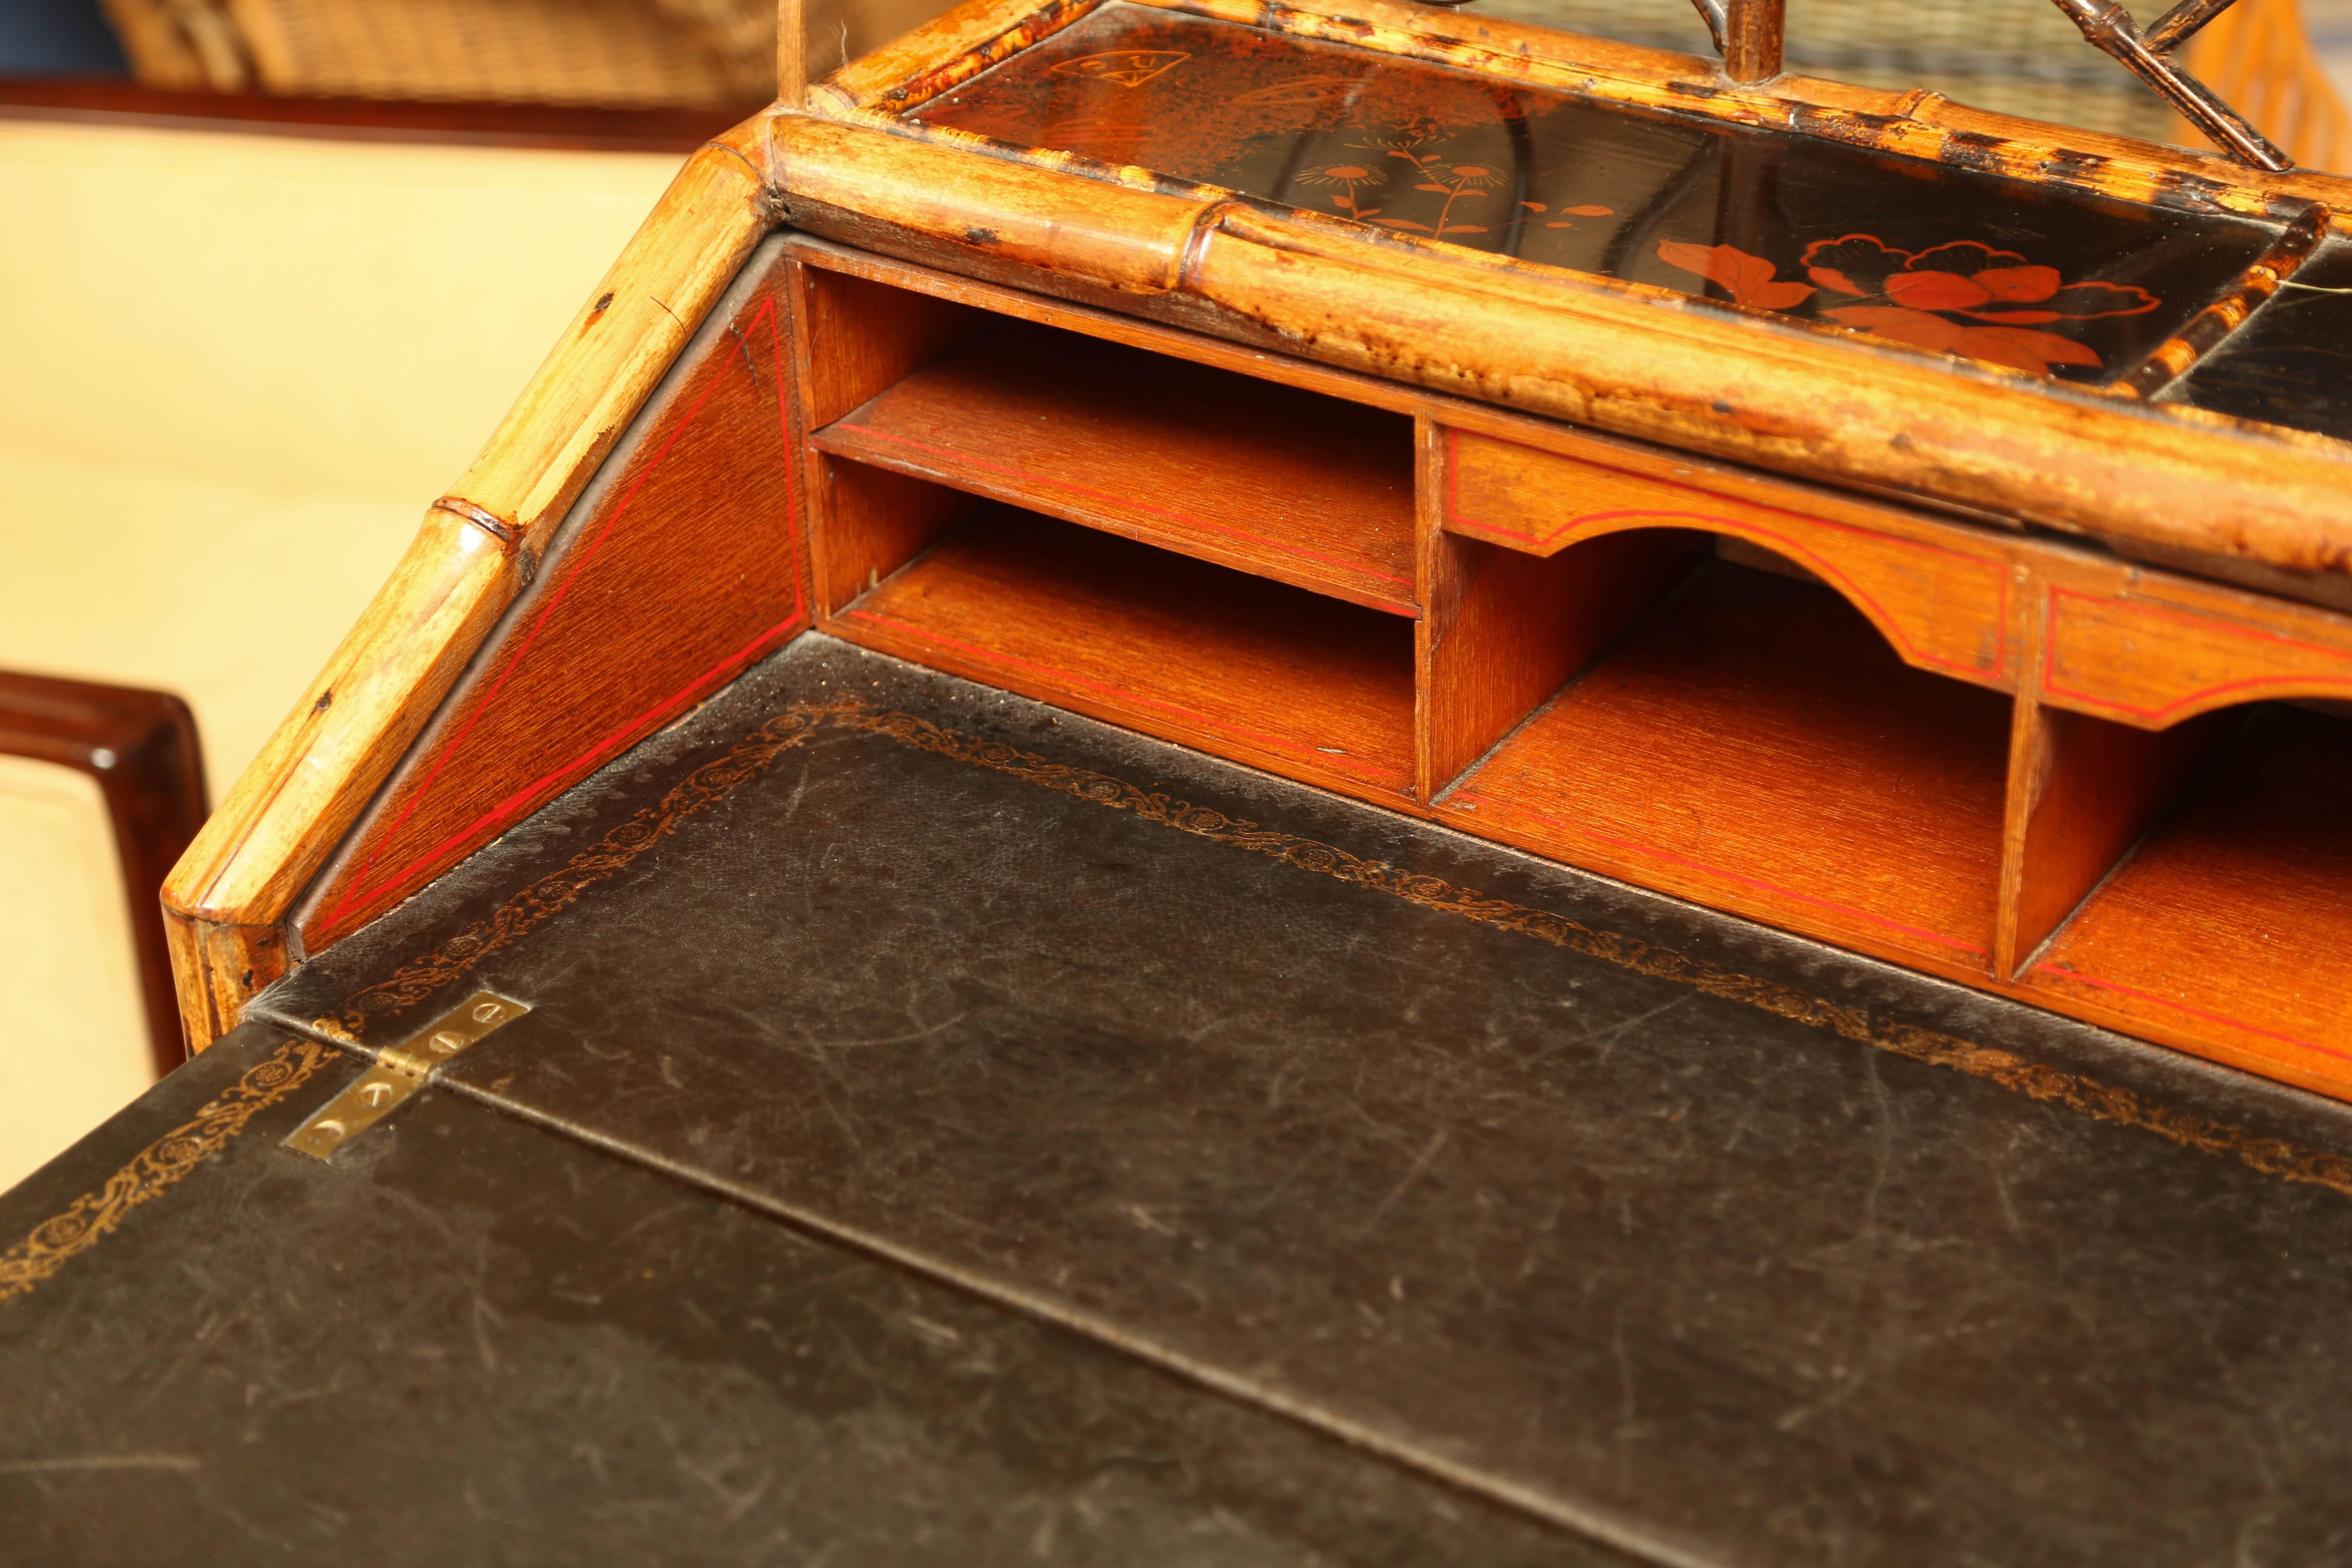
column 1433, row 173
column 1965, row 298
column 1408, row 168
column 1411, row 162
column 1749, row 279
column 1349, row 178
column 1560, row 219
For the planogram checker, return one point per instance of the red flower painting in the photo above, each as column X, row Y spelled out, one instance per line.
column 1965, row 298
column 1749, row 279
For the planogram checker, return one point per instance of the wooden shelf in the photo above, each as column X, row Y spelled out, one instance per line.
column 1294, row 682
column 1266, row 479
column 1236, row 558
column 1755, row 746
column 2231, row 922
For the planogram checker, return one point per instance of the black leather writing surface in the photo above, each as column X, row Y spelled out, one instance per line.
column 471, row 1341
column 1671, row 1231
column 1637, row 1225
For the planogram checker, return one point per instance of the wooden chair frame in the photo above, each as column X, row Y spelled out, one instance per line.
column 140, row 747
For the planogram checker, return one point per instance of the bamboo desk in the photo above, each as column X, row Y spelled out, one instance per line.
column 1792, row 514
column 1887, row 521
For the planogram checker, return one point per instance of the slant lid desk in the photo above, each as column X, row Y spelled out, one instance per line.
column 1315, row 783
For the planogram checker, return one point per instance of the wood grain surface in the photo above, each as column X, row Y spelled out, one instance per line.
column 1502, row 631
column 683, row 566
column 2230, row 923
column 1755, row 745
column 2135, row 658
column 861, row 335
column 1240, row 471
column 1940, row 597
column 873, row 521
column 2082, row 792
column 1236, row 665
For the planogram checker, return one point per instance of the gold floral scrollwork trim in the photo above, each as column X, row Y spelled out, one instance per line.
column 92, row 1217
column 2075, row 1092
column 704, row 787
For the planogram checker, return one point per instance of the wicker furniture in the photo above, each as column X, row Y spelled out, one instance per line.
column 2017, row 56
column 637, row 53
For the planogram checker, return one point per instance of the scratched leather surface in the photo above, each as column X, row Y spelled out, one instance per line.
column 1658, row 1263
column 474, row 1342
column 1664, row 1229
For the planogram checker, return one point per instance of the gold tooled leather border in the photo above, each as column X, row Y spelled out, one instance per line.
column 92, row 1217
column 511, row 921
column 2071, row 1091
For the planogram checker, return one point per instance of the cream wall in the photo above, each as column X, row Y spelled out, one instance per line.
column 233, row 370
column 78, row 1047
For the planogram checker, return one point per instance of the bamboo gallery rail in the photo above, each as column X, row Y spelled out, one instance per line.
column 1996, row 653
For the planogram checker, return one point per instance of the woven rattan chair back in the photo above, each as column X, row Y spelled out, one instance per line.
column 2018, row 56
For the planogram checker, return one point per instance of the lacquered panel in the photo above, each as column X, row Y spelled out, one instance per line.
column 2292, row 363
column 2000, row 271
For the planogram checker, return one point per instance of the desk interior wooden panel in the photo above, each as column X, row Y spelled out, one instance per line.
column 1439, row 531
column 1755, row 746
column 1310, row 687
column 1252, row 474
column 682, row 565
column 2229, row 921
column 1821, row 755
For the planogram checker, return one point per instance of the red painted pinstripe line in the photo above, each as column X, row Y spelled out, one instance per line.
column 1845, row 584
column 1345, row 764
column 2306, row 684
column 2063, row 972
column 615, row 739
column 1170, row 513
column 361, row 887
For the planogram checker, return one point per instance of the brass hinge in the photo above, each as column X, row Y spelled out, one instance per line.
column 400, row 1071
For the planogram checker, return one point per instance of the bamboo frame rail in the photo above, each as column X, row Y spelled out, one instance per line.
column 226, row 902
column 1747, row 34
column 2110, row 27
column 2108, row 465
